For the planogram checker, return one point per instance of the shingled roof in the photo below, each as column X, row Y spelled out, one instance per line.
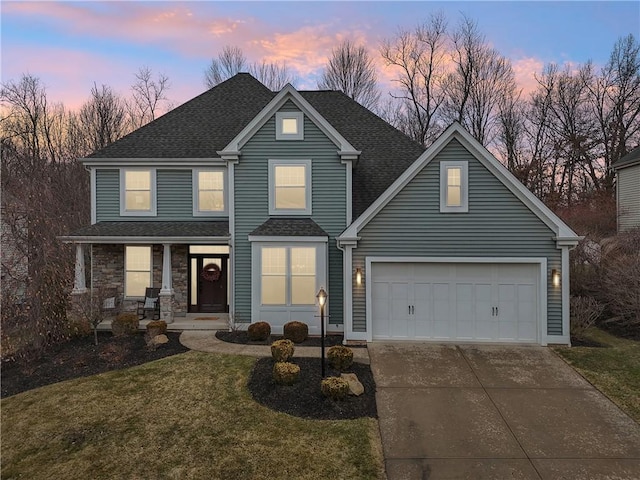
column 207, row 123
column 631, row 158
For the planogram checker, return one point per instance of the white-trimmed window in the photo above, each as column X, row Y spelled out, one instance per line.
column 289, row 126
column 288, row 275
column 289, row 187
column 138, row 191
column 137, row 270
column 454, row 187
column 208, row 192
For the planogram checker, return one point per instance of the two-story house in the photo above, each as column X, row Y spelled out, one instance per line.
column 247, row 201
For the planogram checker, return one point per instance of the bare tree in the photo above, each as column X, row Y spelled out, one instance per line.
column 615, row 101
column 481, row 78
column 351, row 70
column 229, row 62
column 273, row 74
column 420, row 57
column 232, row 60
column 147, row 96
column 103, row 117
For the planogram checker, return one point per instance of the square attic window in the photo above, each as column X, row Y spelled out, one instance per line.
column 289, row 126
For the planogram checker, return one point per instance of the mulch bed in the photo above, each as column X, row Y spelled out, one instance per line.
column 79, row 357
column 304, row 398
column 242, row 337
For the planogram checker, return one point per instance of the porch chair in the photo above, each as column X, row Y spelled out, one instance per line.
column 151, row 303
column 111, row 302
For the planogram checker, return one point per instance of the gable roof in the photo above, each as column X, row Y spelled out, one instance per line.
column 207, row 124
column 563, row 234
column 631, row 158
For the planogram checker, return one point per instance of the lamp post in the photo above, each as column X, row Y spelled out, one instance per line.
column 322, row 299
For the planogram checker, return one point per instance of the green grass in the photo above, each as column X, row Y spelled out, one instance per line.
column 182, row 417
column 615, row 371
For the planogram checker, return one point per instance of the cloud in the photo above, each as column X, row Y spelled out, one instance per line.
column 525, row 69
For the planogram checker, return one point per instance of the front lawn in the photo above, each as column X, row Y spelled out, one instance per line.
column 614, row 369
column 185, row 416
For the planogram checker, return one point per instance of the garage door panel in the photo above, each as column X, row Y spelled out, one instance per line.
column 423, row 315
column 399, row 315
column 462, row 301
column 380, row 306
column 442, row 310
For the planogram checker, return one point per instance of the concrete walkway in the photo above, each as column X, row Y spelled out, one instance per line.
column 206, row 341
column 496, row 412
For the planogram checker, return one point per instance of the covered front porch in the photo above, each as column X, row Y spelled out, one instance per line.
column 184, row 266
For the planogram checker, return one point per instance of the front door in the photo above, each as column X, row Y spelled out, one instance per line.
column 208, row 292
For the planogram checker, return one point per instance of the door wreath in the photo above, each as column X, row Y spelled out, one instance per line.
column 211, row 272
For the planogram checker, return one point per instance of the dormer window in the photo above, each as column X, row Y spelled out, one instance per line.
column 454, row 189
column 289, row 126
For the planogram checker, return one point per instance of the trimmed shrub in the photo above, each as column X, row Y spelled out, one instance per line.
column 585, row 311
column 282, row 350
column 285, row 373
column 125, row 324
column 156, row 327
column 295, row 331
column 335, row 388
column 259, row 331
column 340, row 357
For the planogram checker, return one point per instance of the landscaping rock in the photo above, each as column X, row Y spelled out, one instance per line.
column 157, row 341
column 355, row 387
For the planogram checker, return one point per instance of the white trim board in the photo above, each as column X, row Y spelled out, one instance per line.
column 456, row 131
column 346, row 150
column 542, row 336
column 146, row 240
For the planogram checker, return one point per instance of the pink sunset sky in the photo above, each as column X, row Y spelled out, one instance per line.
column 71, row 45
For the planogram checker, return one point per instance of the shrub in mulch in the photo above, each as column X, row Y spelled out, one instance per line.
column 282, row 350
column 340, row 357
column 285, row 373
column 125, row 324
column 335, row 388
column 295, row 331
column 79, row 357
column 304, row 398
column 259, row 331
column 156, row 327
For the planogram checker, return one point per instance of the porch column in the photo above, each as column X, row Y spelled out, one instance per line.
column 79, row 286
column 166, row 292
column 167, row 287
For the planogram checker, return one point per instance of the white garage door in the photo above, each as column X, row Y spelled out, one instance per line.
column 455, row 301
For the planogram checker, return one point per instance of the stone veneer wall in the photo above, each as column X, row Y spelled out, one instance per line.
column 108, row 272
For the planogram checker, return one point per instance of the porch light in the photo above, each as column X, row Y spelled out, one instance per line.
column 555, row 277
column 322, row 299
column 358, row 276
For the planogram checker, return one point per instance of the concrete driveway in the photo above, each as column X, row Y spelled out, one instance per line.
column 499, row 412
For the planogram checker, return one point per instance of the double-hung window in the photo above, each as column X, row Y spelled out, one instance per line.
column 288, row 275
column 137, row 270
column 208, row 192
column 289, row 187
column 138, row 192
column 454, row 188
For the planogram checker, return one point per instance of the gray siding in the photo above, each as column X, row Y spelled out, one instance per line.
column 497, row 225
column 107, row 195
column 174, row 196
column 252, row 202
column 629, row 198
